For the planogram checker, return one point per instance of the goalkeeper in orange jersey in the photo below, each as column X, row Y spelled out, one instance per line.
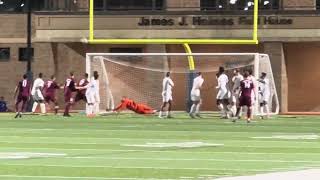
column 129, row 104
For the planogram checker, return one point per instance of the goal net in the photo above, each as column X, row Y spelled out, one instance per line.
column 139, row 76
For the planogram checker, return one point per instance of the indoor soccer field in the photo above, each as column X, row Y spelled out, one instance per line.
column 128, row 146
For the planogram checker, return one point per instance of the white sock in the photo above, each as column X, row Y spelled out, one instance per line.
column 197, row 108
column 167, row 113
column 267, row 110
column 34, row 107
column 90, row 109
column 261, row 110
column 43, row 108
column 160, row 114
column 234, row 110
column 192, row 109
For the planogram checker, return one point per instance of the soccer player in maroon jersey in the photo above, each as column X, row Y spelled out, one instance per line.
column 49, row 90
column 69, row 89
column 81, row 93
column 22, row 89
column 246, row 88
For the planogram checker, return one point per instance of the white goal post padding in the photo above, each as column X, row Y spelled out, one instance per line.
column 139, row 76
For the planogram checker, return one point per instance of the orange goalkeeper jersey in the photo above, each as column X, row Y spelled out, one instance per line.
column 127, row 103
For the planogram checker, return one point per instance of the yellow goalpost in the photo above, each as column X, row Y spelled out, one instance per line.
column 184, row 42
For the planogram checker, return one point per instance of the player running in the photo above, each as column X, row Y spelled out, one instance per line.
column 37, row 95
column 236, row 79
column 23, row 91
column 69, row 89
column 264, row 94
column 246, row 88
column 49, row 92
column 196, row 96
column 129, row 104
column 223, row 93
column 167, row 85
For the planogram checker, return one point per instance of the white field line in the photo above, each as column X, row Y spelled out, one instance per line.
column 291, row 147
column 141, row 167
column 312, row 174
column 195, row 159
column 33, row 130
column 152, row 151
column 74, row 177
column 154, row 139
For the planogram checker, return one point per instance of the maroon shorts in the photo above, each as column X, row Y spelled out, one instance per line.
column 22, row 98
column 245, row 101
column 67, row 98
column 80, row 97
column 50, row 98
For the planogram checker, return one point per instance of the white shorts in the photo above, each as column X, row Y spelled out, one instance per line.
column 166, row 96
column 222, row 94
column 264, row 97
column 195, row 95
column 38, row 96
column 91, row 99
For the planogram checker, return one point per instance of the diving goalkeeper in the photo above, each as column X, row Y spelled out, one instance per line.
column 129, row 104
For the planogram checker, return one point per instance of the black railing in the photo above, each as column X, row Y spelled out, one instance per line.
column 144, row 6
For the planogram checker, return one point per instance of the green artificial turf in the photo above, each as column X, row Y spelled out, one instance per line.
column 131, row 146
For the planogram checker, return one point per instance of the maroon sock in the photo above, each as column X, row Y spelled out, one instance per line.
column 249, row 113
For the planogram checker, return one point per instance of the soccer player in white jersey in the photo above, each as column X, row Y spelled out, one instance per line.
column 196, row 96
column 92, row 94
column 37, row 95
column 264, row 94
column 223, row 93
column 167, row 85
column 236, row 80
column 254, row 90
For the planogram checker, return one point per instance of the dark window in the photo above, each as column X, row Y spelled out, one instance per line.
column 20, row 5
column 318, row 4
column 237, row 4
column 4, row 54
column 122, row 5
column 126, row 50
column 23, row 56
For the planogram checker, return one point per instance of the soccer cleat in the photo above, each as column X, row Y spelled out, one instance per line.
column 169, row 117
column 198, row 115
column 17, row 115
column 192, row 116
column 248, row 121
column 234, row 119
column 66, row 115
column 20, row 115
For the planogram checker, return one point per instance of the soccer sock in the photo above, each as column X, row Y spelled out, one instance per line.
column 90, row 109
column 23, row 106
column 267, row 109
column 234, row 110
column 249, row 113
column 167, row 113
column 160, row 113
column 221, row 108
column 43, row 108
column 197, row 108
column 192, row 109
column 56, row 108
column 34, row 107
column 261, row 110
column 67, row 109
column 238, row 111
